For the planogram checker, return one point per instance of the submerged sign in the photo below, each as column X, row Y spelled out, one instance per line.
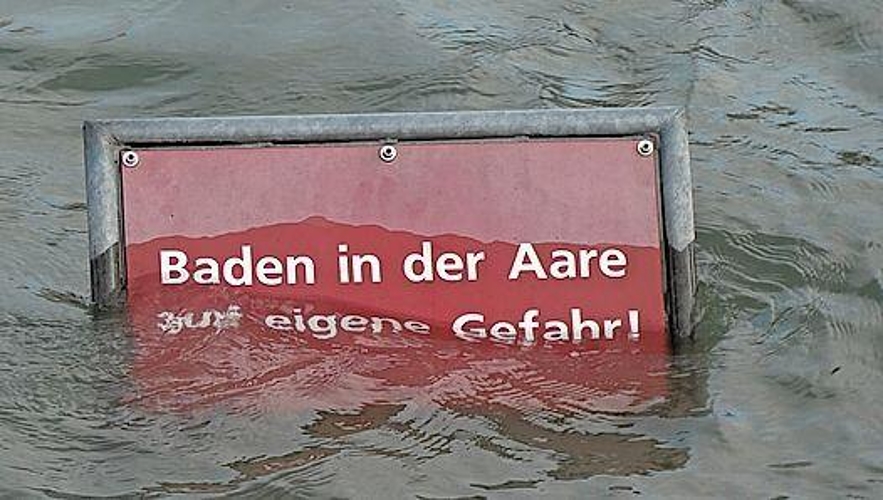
column 552, row 228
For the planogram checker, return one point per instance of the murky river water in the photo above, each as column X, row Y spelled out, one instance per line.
column 781, row 395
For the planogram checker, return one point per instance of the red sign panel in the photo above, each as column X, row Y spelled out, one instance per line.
column 534, row 251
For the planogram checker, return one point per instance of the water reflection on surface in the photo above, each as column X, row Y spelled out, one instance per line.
column 581, row 455
column 780, row 395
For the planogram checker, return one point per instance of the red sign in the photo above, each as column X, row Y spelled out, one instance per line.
column 540, row 251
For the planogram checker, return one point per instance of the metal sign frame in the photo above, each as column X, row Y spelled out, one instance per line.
column 106, row 140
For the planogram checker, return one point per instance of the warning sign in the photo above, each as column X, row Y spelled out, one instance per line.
column 511, row 241
column 398, row 254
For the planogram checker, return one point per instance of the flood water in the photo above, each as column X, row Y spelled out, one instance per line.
column 781, row 395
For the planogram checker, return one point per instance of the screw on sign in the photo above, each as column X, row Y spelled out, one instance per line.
column 388, row 153
column 129, row 159
column 645, row 147
column 527, row 236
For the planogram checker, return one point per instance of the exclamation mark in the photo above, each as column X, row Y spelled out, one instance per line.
column 635, row 330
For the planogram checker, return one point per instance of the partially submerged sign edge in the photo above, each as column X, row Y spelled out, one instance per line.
column 106, row 139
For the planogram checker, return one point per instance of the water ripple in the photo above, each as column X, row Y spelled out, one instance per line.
column 782, row 384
